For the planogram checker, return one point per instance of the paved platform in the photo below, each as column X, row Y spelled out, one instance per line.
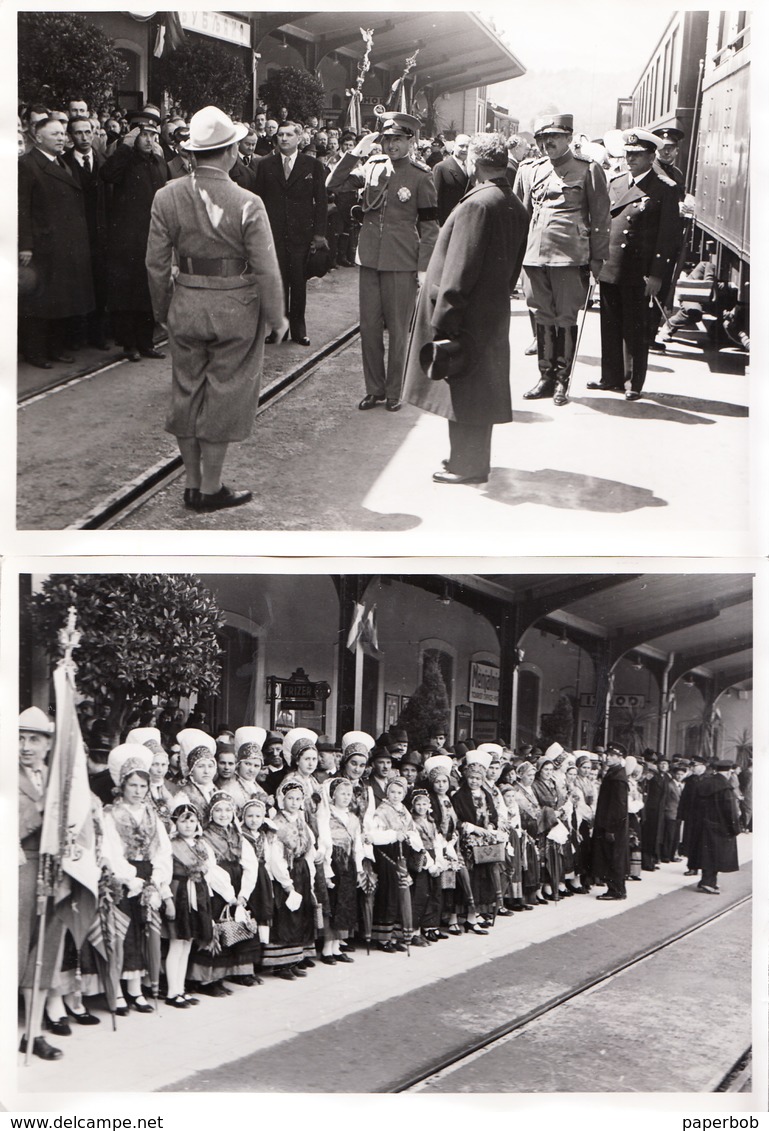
column 295, row 1036
column 601, row 475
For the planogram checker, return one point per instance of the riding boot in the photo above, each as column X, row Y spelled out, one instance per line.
column 546, row 357
column 566, row 344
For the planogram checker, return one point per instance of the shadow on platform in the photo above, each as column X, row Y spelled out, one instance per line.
column 565, row 490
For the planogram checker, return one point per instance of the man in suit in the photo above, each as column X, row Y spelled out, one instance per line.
column 53, row 239
column 643, row 243
column 566, row 197
column 85, row 163
column 182, row 162
column 243, row 172
column 35, row 739
column 465, row 305
column 610, row 827
column 264, row 144
column 398, row 234
column 451, row 178
column 226, row 295
column 292, row 186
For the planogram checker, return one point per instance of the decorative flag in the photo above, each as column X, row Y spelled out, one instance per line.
column 398, row 98
column 68, row 837
column 363, row 630
column 170, row 35
column 353, row 119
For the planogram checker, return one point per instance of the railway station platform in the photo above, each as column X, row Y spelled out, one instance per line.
column 658, row 989
column 600, row 475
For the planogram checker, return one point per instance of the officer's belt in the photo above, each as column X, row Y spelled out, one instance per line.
column 222, row 268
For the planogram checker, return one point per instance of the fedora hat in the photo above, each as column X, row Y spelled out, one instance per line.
column 442, row 359
column 210, row 128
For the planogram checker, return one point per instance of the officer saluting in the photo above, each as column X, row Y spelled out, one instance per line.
column 567, row 198
column 398, row 234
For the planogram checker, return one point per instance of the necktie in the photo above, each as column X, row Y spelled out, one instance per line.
column 37, row 778
column 87, row 162
column 286, row 167
column 246, row 161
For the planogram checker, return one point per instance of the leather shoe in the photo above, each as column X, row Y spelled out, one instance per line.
column 605, row 388
column 59, row 1028
column 192, row 498
column 691, row 872
column 301, row 341
column 343, row 958
column 132, row 355
column 38, row 362
column 393, row 406
column 41, row 1048
column 328, row 959
column 609, row 895
column 452, row 477
column 65, row 358
column 271, row 338
column 560, row 396
column 157, row 354
column 84, row 1018
column 370, row 401
column 224, row 497
column 632, row 395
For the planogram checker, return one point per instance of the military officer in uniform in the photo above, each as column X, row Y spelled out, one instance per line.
column 645, row 232
column 566, row 196
column 226, row 295
column 398, row 234
column 665, row 165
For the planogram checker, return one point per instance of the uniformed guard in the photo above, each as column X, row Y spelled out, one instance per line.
column 398, row 234
column 567, row 198
column 645, row 225
column 665, row 164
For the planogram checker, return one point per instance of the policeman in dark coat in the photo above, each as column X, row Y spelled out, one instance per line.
column 719, row 825
column 465, row 304
column 610, row 829
column 688, row 812
column 398, row 234
column 643, row 244
column 566, row 196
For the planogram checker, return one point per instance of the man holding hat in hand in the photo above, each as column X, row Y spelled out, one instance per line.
column 400, row 227
column 643, row 244
column 226, row 297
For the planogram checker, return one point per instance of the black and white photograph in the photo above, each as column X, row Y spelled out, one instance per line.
column 425, row 224
column 213, row 899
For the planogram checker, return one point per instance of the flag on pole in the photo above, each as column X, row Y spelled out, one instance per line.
column 170, row 35
column 68, row 836
column 363, row 630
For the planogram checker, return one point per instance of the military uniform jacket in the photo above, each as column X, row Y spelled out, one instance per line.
column 645, row 229
column 400, row 230
column 568, row 203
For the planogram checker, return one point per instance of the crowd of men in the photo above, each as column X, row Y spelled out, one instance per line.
column 316, row 844
column 567, row 211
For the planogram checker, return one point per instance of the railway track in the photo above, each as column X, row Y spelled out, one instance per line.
column 736, row 1079
column 132, row 495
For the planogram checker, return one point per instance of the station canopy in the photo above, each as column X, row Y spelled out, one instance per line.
column 457, row 50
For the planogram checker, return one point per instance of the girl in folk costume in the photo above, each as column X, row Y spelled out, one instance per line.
column 195, row 874
column 478, row 825
column 146, row 846
column 426, row 869
column 551, row 857
column 248, row 750
column 531, row 823
column 493, row 774
column 356, row 746
column 635, row 804
column 235, row 857
column 343, row 838
column 393, row 835
column 573, row 861
column 259, row 831
column 161, row 794
column 515, row 850
column 301, row 753
column 197, row 761
column 585, row 785
column 292, row 862
column 437, row 770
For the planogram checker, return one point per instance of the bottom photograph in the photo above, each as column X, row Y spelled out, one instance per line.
column 494, row 829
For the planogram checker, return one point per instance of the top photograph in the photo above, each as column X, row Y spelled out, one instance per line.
column 425, row 274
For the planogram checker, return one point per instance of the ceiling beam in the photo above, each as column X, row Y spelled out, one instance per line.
column 537, row 605
column 685, row 661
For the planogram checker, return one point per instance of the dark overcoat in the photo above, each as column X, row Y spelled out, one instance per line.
column 645, row 229
column 52, row 225
column 689, row 813
column 610, row 830
column 296, row 207
column 656, row 795
column 466, row 297
column 451, row 184
column 134, row 178
column 715, row 849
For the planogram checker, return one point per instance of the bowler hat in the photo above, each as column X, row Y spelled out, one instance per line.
column 211, row 128
column 442, row 359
